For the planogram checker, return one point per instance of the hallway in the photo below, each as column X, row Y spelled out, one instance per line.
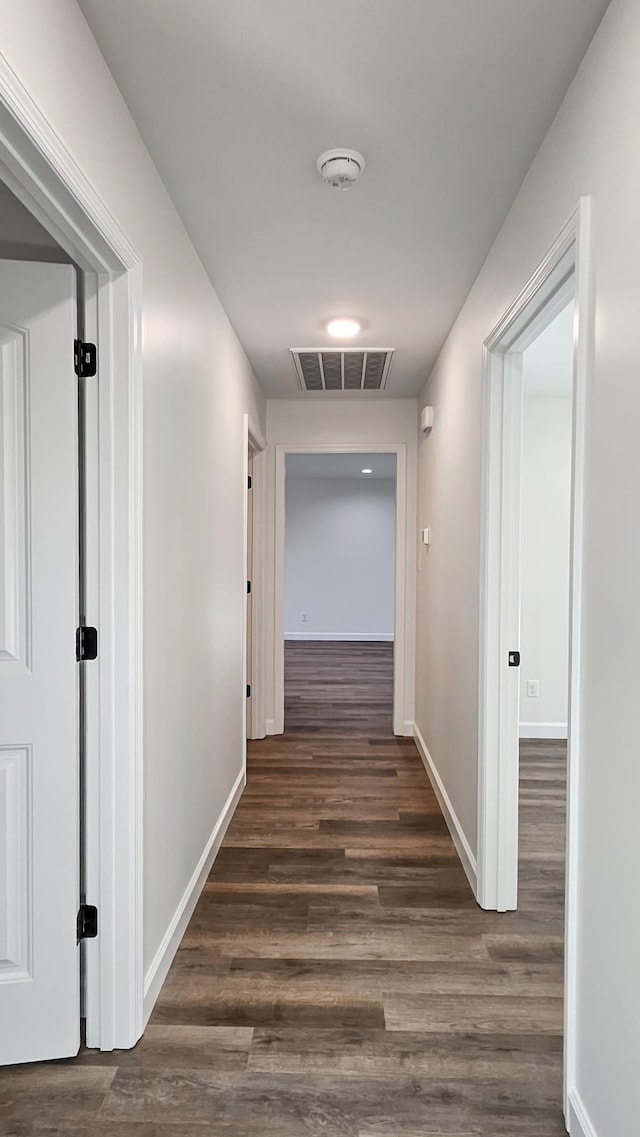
column 337, row 977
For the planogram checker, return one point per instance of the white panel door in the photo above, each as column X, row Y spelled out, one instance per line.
column 39, row 818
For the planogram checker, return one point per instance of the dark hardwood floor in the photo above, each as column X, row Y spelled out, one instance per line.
column 337, row 978
column 336, row 688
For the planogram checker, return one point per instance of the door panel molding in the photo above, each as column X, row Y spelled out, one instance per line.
column 15, row 600
column 16, row 894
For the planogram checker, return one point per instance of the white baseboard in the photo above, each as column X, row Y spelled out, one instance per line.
column 455, row 828
column 543, row 730
column 163, row 958
column 358, row 637
column 578, row 1120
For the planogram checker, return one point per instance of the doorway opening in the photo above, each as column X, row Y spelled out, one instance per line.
column 545, row 552
column 339, row 593
column 396, row 650
column 253, row 669
column 42, row 693
column 38, row 170
column 531, row 599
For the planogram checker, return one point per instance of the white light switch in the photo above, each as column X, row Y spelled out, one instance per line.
column 426, row 419
column 426, row 536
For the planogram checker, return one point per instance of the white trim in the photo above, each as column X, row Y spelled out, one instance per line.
column 161, row 962
column 579, row 1123
column 38, row 167
column 342, row 637
column 499, row 685
column 254, row 725
column 550, row 730
column 404, row 628
column 255, row 438
column 458, row 835
column 584, row 362
column 570, row 255
column 247, row 574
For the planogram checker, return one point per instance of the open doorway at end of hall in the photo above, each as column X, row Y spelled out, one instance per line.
column 339, row 593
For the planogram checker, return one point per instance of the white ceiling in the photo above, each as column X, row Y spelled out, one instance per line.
column 547, row 365
column 447, row 99
column 341, row 466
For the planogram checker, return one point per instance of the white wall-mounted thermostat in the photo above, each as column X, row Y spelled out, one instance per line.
column 426, row 536
column 426, row 419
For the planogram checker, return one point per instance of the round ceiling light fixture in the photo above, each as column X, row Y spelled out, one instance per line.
column 343, row 329
column 367, row 470
column 340, row 168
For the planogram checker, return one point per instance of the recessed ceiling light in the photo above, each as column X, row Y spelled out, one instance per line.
column 343, row 329
column 366, row 470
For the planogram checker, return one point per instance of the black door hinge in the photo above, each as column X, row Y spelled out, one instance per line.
column 248, row 690
column 85, row 359
column 249, row 482
column 87, row 922
column 248, row 586
column 514, row 659
column 86, row 643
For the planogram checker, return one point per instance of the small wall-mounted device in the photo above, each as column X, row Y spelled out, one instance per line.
column 426, row 419
column 426, row 536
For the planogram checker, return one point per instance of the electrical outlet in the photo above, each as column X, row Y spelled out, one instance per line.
column 305, row 617
column 533, row 688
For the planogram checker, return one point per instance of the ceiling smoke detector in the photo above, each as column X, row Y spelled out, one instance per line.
column 340, row 168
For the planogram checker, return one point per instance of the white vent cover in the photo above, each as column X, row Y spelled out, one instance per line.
column 365, row 369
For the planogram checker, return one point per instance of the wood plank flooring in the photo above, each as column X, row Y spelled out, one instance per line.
column 337, row 688
column 337, row 978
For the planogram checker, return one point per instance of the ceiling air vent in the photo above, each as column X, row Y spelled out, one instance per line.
column 331, row 370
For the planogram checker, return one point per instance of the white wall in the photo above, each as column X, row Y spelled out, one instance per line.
column 544, row 563
column 592, row 148
column 363, row 423
column 197, row 386
column 339, row 558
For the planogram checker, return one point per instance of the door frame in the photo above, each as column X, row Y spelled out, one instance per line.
column 255, row 441
column 402, row 717
column 570, row 254
column 37, row 166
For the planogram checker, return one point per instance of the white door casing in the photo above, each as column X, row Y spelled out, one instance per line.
column 550, row 289
column 39, row 958
column 404, row 644
column 254, row 635
column 39, row 168
column 570, row 259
